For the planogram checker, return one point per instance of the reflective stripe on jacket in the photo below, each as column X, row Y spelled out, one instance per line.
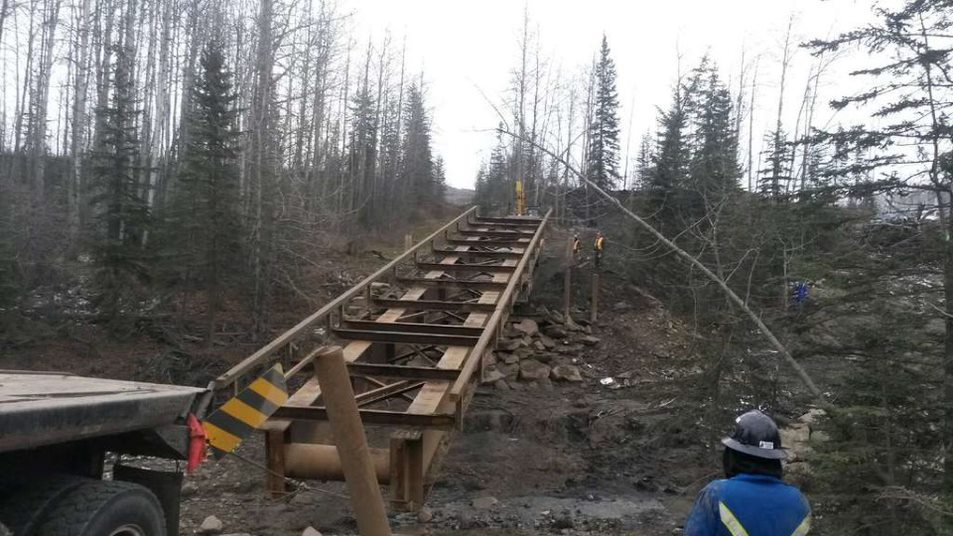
column 749, row 505
column 599, row 243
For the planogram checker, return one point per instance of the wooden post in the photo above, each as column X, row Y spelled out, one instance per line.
column 567, row 280
column 356, row 462
column 594, row 307
column 408, row 241
column 275, row 453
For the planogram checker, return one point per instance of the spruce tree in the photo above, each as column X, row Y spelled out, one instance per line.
column 493, row 193
column 713, row 169
column 121, row 212
column 417, row 166
column 206, row 240
column 602, row 160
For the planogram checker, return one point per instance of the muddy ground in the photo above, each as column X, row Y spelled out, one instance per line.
column 554, row 458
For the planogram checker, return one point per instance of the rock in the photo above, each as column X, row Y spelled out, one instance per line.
column 548, row 342
column 511, row 372
column 566, row 373
column 511, row 359
column 490, row 359
column 569, row 349
column 484, row 503
column 527, row 326
column 237, row 534
column 818, row 436
column 492, row 375
column 509, row 345
column 211, row 525
column 523, row 353
column 539, row 346
column 556, row 317
column 502, row 385
column 589, row 340
column 621, row 307
column 311, row 531
column 419, row 361
column 531, row 370
column 424, row 515
column 811, row 416
column 526, row 342
column 544, row 357
column 556, row 332
column 795, row 434
column 935, row 327
column 189, row 488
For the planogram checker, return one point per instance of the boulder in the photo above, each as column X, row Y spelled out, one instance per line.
column 511, row 359
column 523, row 353
column 566, row 373
column 589, row 340
column 511, row 372
column 211, row 525
column 502, row 385
column 539, row 346
column 509, row 345
column 531, row 370
column 425, row 515
column 556, row 332
column 492, row 375
column 311, row 531
column 547, row 342
column 527, row 326
column 484, row 503
column 811, row 416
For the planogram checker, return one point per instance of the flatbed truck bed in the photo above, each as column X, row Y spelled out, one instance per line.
column 56, row 431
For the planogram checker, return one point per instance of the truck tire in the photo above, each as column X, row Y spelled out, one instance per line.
column 24, row 502
column 103, row 508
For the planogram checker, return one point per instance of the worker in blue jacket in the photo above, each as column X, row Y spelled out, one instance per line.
column 752, row 500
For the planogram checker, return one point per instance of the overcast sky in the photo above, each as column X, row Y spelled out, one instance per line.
column 469, row 48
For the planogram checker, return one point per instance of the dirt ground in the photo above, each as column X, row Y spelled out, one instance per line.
column 571, row 458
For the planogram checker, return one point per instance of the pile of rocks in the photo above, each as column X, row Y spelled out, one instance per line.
column 537, row 355
column 799, row 439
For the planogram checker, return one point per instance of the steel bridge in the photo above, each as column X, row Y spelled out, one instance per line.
column 415, row 335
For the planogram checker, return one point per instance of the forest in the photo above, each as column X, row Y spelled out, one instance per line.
column 198, row 157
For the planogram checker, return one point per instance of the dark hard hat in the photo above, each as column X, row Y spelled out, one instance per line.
column 757, row 435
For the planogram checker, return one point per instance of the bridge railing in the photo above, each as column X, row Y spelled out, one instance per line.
column 291, row 344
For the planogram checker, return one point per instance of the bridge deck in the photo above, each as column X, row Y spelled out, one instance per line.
column 416, row 345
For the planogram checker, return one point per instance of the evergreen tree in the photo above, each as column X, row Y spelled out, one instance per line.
column 122, row 214
column 713, row 170
column 776, row 175
column 206, row 217
column 602, row 160
column 417, row 166
column 362, row 156
column 493, row 193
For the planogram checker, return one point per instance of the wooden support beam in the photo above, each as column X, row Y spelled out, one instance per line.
column 405, row 337
column 515, row 253
column 400, row 371
column 494, row 234
column 466, row 267
column 437, row 305
column 496, row 242
column 452, row 283
column 370, row 416
column 436, row 329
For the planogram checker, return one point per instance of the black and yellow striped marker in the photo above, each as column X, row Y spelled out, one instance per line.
column 240, row 416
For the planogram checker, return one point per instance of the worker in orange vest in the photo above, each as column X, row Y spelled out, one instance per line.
column 576, row 248
column 598, row 247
